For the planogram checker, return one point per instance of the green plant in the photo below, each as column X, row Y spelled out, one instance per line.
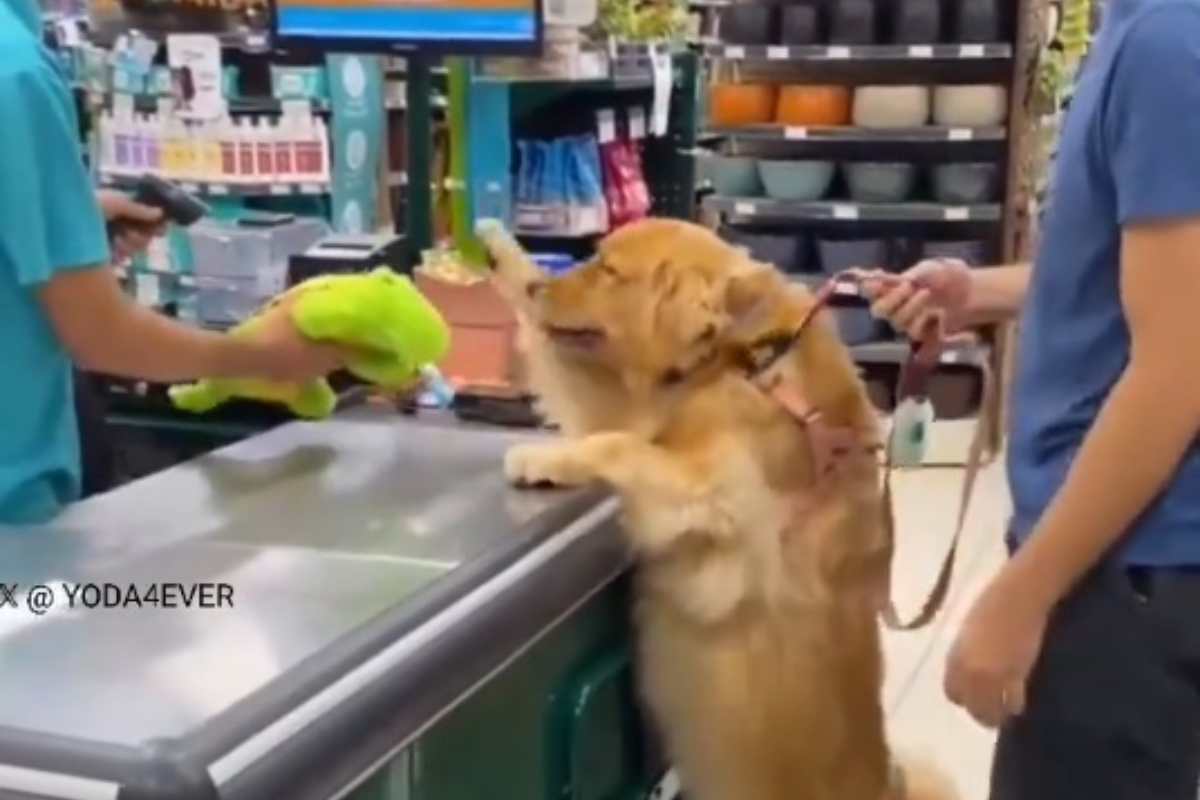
column 643, row 20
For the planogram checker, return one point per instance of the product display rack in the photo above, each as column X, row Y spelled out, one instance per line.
column 999, row 224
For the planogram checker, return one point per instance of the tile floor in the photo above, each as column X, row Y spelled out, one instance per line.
column 920, row 718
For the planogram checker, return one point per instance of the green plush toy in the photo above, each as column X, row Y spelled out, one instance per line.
column 392, row 330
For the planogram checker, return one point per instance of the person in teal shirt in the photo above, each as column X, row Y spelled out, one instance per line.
column 60, row 300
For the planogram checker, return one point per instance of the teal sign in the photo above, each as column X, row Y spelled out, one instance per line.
column 356, row 139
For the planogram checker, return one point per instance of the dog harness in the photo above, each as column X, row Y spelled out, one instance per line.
column 831, row 445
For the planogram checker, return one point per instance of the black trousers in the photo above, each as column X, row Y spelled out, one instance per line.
column 96, row 451
column 1114, row 701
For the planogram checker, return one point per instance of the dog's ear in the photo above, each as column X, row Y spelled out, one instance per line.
column 752, row 297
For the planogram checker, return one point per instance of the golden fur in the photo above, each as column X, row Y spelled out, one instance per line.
column 758, row 586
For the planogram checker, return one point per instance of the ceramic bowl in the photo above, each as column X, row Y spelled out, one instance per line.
column 970, row 106
column 748, row 23
column 965, row 183
column 786, row 251
column 801, row 181
column 736, row 104
column 977, row 21
column 916, row 21
column 853, row 22
column 879, row 182
column 891, row 106
column 838, row 255
column 800, row 24
column 735, row 176
column 813, row 105
column 973, row 252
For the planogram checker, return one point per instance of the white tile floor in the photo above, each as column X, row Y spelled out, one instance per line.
column 920, row 718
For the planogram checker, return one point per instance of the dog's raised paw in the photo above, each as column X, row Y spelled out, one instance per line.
column 531, row 465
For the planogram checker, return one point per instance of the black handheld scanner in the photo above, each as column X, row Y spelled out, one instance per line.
column 176, row 205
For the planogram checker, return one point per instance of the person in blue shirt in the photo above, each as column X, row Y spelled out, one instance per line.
column 59, row 300
column 1085, row 649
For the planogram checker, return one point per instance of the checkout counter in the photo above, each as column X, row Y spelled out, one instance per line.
column 402, row 626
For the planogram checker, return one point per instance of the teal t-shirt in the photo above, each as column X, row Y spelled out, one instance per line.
column 49, row 222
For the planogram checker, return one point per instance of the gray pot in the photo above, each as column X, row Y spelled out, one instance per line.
column 871, row 182
column 977, row 21
column 965, row 183
column 735, row 176
column 787, row 252
column 853, row 22
column 916, row 21
column 800, row 24
column 799, row 181
column 837, row 255
column 972, row 252
column 748, row 23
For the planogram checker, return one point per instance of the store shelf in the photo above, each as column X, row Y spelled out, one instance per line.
column 209, row 189
column 897, row 352
column 846, row 211
column 933, row 134
column 148, row 104
column 823, row 53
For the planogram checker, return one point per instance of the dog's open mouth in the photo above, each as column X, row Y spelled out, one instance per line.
column 578, row 337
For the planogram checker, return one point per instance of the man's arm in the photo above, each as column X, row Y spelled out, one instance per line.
column 997, row 293
column 1152, row 414
column 105, row 331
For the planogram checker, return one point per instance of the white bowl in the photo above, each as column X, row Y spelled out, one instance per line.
column 970, row 106
column 891, row 106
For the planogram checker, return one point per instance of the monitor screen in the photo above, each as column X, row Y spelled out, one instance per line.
column 443, row 26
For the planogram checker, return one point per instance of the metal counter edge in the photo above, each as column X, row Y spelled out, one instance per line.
column 33, row 764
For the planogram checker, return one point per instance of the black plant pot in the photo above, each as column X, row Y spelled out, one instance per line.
column 853, row 22
column 748, row 23
column 916, row 21
column 977, row 21
column 801, row 24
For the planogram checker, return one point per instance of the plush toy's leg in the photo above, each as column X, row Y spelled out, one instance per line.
column 199, row 397
column 314, row 400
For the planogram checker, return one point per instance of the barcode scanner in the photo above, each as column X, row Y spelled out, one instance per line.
column 177, row 206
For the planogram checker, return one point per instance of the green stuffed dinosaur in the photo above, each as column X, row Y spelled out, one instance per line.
column 391, row 329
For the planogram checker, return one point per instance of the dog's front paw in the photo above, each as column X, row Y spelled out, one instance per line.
column 544, row 465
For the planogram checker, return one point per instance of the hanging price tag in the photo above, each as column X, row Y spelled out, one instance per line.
column 663, row 80
column 637, row 123
column 606, row 125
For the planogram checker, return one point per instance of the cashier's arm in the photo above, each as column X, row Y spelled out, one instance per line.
column 1151, row 417
column 105, row 331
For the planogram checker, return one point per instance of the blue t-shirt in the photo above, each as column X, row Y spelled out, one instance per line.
column 49, row 222
column 1129, row 153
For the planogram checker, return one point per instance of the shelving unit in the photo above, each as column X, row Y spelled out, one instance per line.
column 997, row 223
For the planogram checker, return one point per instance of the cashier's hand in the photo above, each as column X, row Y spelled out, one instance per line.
column 934, row 292
column 282, row 353
column 133, row 225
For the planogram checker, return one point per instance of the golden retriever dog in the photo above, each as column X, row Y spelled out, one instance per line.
column 760, row 572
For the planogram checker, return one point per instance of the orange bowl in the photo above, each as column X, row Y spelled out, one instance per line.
column 813, row 105
column 734, row 104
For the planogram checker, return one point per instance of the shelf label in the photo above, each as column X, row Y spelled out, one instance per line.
column 218, row 189
column 310, row 188
column 193, row 188
column 794, row 133
column 921, row 51
column 280, row 188
column 745, row 209
column 777, row 53
column 843, row 211
column 961, row 134
column 957, row 214
column 972, row 51
column 837, row 52
column 735, row 52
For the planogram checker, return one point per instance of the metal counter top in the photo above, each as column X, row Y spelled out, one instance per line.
column 373, row 563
